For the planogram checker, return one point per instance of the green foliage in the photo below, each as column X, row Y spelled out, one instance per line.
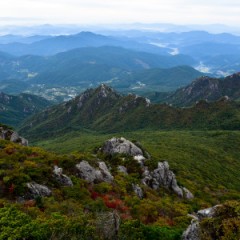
column 225, row 225
column 136, row 230
column 14, row 224
column 204, row 163
column 14, row 109
column 102, row 187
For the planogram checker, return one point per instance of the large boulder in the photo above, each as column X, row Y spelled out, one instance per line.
column 37, row 190
column 86, row 171
column 162, row 176
column 61, row 178
column 121, row 146
column 8, row 134
column 193, row 231
column 94, row 175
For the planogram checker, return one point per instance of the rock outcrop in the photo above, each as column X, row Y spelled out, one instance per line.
column 94, row 175
column 37, row 190
column 138, row 190
column 193, row 231
column 162, row 176
column 121, row 146
column 8, row 134
column 61, row 178
column 122, row 169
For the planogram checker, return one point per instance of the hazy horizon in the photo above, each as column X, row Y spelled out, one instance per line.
column 92, row 12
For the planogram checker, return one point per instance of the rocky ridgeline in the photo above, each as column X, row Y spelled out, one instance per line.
column 162, row 176
column 8, row 134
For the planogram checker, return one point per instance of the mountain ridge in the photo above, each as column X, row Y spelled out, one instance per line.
column 207, row 88
column 104, row 110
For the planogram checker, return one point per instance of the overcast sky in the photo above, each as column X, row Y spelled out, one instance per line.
column 120, row 11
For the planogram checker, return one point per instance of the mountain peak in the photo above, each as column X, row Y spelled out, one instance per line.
column 104, row 90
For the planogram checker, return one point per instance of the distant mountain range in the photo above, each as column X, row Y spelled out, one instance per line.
column 14, row 109
column 136, row 62
column 84, row 67
column 102, row 109
column 204, row 47
column 53, row 45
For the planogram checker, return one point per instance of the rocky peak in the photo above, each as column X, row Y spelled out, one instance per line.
column 203, row 84
column 103, row 90
column 97, row 96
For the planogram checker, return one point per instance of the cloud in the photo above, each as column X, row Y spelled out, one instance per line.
column 123, row 11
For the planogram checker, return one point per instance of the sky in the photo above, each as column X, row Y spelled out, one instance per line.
column 30, row 12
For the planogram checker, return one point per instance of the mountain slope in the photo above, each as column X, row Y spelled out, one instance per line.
column 15, row 109
column 72, row 64
column 210, row 89
column 159, row 79
column 104, row 110
column 77, row 196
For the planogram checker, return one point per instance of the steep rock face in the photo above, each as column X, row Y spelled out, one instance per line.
column 193, row 232
column 162, row 176
column 91, row 174
column 7, row 134
column 61, row 178
column 37, row 190
column 121, row 146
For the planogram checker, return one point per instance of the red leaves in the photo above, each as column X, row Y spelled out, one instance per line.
column 110, row 201
column 11, row 188
column 29, row 203
column 55, row 162
column 94, row 195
